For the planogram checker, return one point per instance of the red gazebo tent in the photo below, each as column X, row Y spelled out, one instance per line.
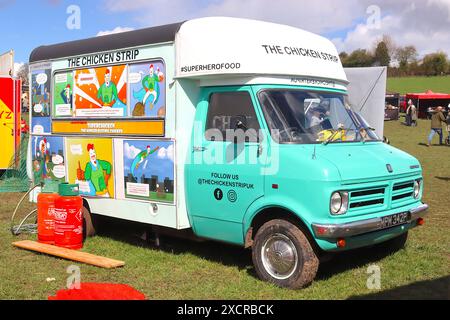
column 428, row 99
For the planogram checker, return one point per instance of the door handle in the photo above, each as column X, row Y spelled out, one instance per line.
column 260, row 150
column 198, row 149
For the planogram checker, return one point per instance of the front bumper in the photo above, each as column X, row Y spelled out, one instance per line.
column 333, row 231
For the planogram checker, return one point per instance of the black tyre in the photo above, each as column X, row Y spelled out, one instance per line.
column 283, row 255
column 88, row 224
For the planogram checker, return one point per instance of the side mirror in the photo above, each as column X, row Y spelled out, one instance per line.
column 239, row 122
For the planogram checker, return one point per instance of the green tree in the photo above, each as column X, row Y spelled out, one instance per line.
column 343, row 56
column 382, row 56
column 406, row 55
column 415, row 69
column 359, row 58
column 435, row 64
column 390, row 44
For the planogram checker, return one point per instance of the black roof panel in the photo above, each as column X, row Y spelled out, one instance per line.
column 165, row 33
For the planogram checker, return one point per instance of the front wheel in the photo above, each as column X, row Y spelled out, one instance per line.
column 283, row 255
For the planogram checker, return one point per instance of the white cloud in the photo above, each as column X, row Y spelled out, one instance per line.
column 364, row 36
column 423, row 23
column 442, row 3
column 316, row 16
column 115, row 30
column 166, row 153
column 130, row 152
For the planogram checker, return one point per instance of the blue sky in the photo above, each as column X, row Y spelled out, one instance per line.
column 348, row 23
column 29, row 24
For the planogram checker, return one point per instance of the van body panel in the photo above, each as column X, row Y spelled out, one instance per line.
column 139, row 211
column 216, row 192
column 371, row 158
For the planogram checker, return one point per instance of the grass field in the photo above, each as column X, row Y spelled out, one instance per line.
column 419, row 84
column 183, row 269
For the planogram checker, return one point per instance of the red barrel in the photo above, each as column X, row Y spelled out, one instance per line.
column 69, row 217
column 45, row 217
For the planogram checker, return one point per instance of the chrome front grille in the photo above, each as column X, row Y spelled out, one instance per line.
column 390, row 195
column 401, row 192
column 367, row 198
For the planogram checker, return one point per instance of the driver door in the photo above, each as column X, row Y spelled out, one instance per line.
column 225, row 174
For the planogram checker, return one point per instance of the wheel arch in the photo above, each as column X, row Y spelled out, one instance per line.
column 273, row 212
column 86, row 205
column 90, row 224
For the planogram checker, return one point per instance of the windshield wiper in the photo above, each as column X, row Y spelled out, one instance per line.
column 338, row 130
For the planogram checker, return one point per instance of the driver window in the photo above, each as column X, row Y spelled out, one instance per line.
column 228, row 112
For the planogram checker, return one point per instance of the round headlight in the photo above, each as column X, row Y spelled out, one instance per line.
column 336, row 203
column 339, row 202
column 416, row 189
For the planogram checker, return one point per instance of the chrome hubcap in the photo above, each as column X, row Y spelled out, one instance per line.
column 279, row 256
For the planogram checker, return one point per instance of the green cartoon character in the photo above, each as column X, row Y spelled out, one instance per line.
column 150, row 91
column 107, row 93
column 141, row 157
column 97, row 173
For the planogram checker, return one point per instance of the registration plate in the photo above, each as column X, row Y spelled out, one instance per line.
column 395, row 220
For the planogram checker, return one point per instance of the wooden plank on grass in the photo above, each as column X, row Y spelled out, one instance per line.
column 69, row 254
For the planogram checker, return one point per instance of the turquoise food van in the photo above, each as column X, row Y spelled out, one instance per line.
column 237, row 130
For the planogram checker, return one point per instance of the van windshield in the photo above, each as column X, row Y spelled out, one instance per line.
column 308, row 117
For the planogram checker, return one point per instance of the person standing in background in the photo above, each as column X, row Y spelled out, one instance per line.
column 448, row 127
column 436, row 125
column 413, row 113
column 408, row 113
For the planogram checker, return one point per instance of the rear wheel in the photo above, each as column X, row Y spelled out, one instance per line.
column 88, row 223
column 283, row 255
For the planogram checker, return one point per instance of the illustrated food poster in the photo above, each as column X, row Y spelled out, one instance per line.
column 101, row 92
column 40, row 101
column 147, row 89
column 62, row 94
column 149, row 170
column 90, row 164
column 48, row 159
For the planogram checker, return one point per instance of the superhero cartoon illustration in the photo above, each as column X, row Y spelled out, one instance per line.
column 149, row 92
column 41, row 161
column 149, row 170
column 48, row 161
column 100, row 92
column 66, row 95
column 141, row 157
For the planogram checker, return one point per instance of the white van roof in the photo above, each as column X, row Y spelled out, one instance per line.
column 217, row 46
column 220, row 45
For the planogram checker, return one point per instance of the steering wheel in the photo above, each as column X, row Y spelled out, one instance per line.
column 291, row 132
